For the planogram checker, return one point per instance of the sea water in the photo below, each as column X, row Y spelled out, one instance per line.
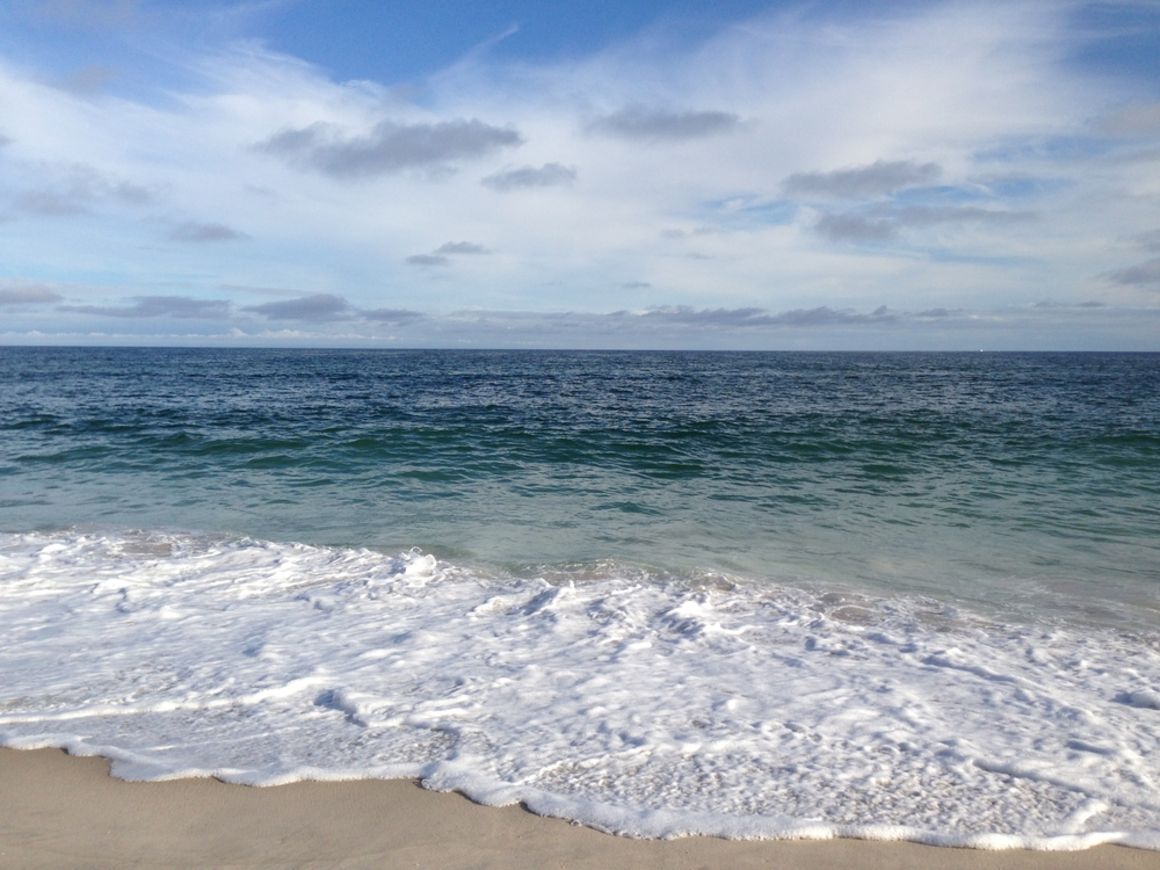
column 898, row 596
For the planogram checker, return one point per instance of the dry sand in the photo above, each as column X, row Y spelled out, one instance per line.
column 59, row 811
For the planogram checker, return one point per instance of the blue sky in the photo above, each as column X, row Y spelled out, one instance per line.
column 734, row 174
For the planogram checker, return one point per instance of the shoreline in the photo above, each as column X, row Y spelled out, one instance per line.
column 58, row 810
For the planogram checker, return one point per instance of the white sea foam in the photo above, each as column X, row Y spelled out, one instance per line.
column 631, row 702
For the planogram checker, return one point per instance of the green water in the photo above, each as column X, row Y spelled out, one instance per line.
column 1028, row 481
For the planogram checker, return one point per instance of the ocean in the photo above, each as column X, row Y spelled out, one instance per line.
column 894, row 596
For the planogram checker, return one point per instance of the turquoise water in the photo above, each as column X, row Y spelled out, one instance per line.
column 1017, row 480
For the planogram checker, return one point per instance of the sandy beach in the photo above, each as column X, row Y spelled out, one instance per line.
column 60, row 811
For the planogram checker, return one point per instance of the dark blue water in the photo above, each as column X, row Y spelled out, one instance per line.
column 1004, row 480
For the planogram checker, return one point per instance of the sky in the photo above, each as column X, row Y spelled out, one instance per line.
column 634, row 174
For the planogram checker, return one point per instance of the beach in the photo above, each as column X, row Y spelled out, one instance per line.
column 661, row 596
column 652, row 434
column 61, row 811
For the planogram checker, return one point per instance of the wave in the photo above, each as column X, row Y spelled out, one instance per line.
column 636, row 702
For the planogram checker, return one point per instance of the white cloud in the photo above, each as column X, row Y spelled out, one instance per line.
column 180, row 307
column 548, row 175
column 651, row 125
column 27, row 294
column 193, row 231
column 880, row 177
column 389, row 147
column 461, row 248
column 314, row 307
column 1146, row 274
column 725, row 183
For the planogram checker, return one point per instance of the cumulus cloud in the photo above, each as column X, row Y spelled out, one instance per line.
column 28, row 294
column 394, row 316
column 390, row 147
column 548, row 175
column 883, row 224
column 753, row 317
column 682, row 325
column 642, row 124
column 316, row 306
column 428, row 260
column 259, row 290
column 855, row 228
column 964, row 85
column 442, row 255
column 708, row 316
column 879, row 178
column 1146, row 274
column 1051, row 304
column 825, row 316
column 461, row 248
column 180, row 307
column 695, row 232
column 192, row 231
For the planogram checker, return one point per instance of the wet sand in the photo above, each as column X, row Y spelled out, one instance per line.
column 60, row 811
